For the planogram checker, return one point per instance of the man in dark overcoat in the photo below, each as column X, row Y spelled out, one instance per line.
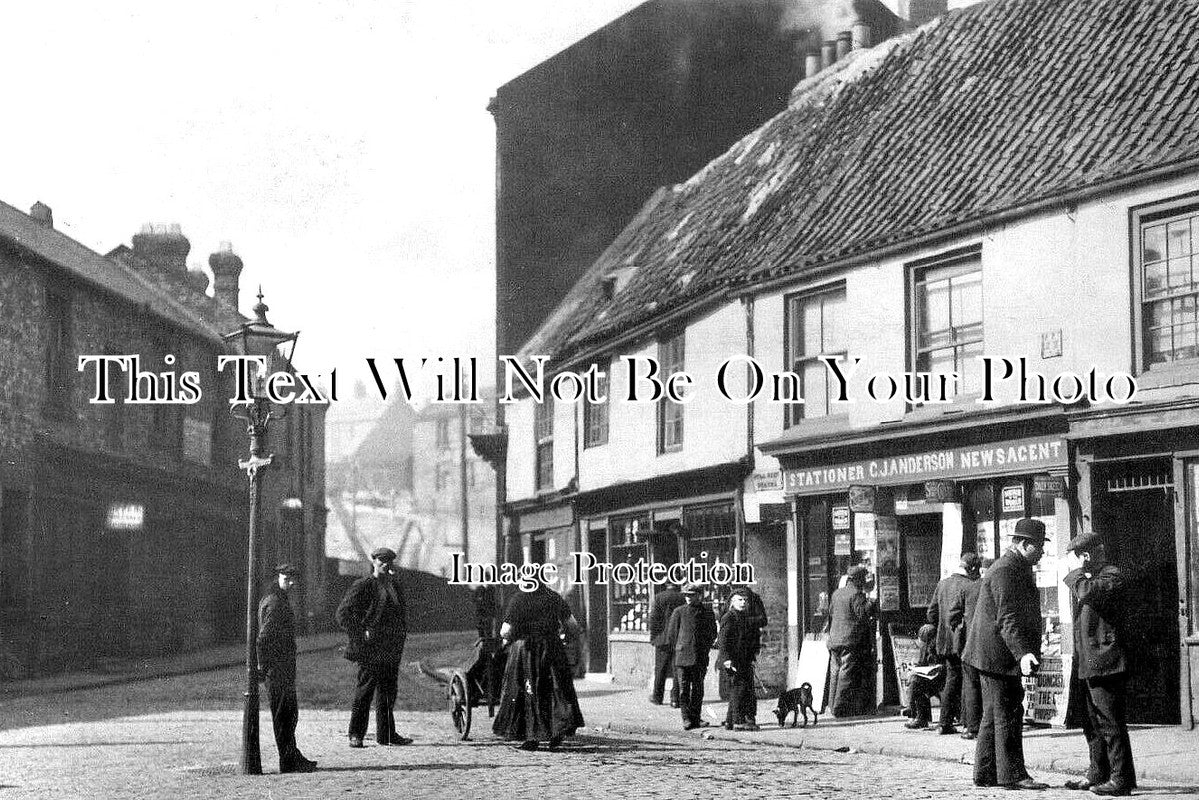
column 850, row 628
column 1004, row 643
column 276, row 645
column 374, row 615
column 972, row 692
column 947, row 612
column 691, row 630
column 666, row 600
column 739, row 642
column 1100, row 666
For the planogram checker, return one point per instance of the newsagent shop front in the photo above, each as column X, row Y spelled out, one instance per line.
column 908, row 507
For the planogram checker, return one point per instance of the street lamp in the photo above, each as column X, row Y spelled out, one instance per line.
column 255, row 338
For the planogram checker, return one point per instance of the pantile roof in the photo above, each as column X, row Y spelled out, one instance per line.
column 985, row 111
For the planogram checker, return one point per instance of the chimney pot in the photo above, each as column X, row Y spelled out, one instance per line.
column 828, row 54
column 812, row 63
column 42, row 214
column 862, row 35
column 844, row 44
column 226, row 268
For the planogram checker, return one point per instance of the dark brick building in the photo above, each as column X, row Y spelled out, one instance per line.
column 122, row 526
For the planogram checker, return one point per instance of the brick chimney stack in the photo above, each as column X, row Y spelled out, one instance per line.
column 226, row 269
column 42, row 214
column 164, row 246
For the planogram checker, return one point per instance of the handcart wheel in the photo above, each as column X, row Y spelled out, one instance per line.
column 460, row 705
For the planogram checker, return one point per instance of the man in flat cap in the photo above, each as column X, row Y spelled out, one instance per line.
column 690, row 632
column 1003, row 644
column 1100, row 665
column 374, row 615
column 277, row 665
column 850, row 628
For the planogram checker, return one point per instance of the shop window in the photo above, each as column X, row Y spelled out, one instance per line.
column 595, row 416
column 629, row 540
column 947, row 334
column 709, row 536
column 543, row 434
column 1167, row 276
column 815, row 329
column 670, row 414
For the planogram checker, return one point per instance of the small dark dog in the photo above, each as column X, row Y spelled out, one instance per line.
column 792, row 702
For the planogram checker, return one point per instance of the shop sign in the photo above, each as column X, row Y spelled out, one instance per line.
column 126, row 516
column 840, row 518
column 1036, row 454
column 768, row 481
column 1013, row 499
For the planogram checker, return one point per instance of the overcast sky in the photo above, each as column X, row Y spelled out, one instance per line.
column 342, row 147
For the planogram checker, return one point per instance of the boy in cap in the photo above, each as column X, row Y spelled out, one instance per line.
column 739, row 642
column 277, row 664
column 1100, row 665
column 690, row 632
column 374, row 614
column 1004, row 643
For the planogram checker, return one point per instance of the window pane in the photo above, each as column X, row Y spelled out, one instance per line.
column 1185, row 342
column 935, row 306
column 1180, row 273
column 941, row 361
column 1155, row 279
column 812, row 335
column 1160, row 345
column 1178, row 239
column 834, row 323
column 968, row 299
column 815, row 389
column 1155, row 243
column 970, row 368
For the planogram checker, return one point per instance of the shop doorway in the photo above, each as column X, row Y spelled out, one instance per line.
column 597, row 606
column 1134, row 506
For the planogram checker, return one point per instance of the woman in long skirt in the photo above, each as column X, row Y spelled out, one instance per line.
column 537, row 701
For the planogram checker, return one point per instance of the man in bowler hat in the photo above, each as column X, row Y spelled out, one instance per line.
column 1004, row 643
column 690, row 631
column 1100, row 665
column 374, row 615
column 277, row 664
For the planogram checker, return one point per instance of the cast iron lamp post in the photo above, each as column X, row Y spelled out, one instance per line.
column 255, row 338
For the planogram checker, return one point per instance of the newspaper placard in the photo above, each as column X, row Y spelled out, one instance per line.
column 813, row 667
column 1047, row 694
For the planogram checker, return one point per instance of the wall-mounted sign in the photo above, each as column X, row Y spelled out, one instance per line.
column 840, row 518
column 1013, row 499
column 768, row 481
column 1036, row 454
column 1051, row 344
column 126, row 516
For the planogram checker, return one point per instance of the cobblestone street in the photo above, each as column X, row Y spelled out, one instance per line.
column 180, row 737
column 194, row 754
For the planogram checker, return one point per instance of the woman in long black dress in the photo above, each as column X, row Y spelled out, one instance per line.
column 537, row 701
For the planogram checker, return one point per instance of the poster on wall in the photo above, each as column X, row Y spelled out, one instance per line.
column 863, row 532
column 842, row 545
column 886, row 532
column 841, row 518
column 985, row 539
column 1013, row 499
column 922, row 558
column 1006, row 528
